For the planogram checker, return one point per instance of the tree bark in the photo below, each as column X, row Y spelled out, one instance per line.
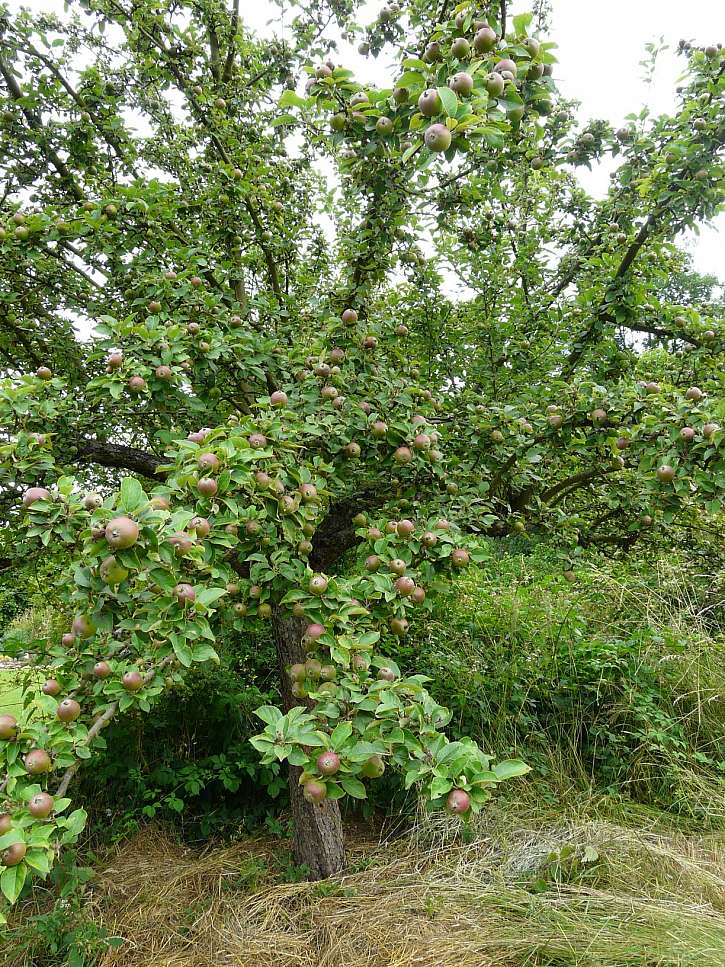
column 318, row 837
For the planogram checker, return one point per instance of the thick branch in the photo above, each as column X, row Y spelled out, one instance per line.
column 336, row 533
column 570, row 484
column 119, row 457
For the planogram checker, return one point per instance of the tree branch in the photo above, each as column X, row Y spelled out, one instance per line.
column 98, row 725
column 336, row 534
column 577, row 480
column 36, row 124
column 229, row 61
column 119, row 457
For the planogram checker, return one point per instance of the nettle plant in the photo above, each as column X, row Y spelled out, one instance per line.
column 264, row 425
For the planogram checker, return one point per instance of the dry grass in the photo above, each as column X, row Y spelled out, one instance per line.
column 429, row 901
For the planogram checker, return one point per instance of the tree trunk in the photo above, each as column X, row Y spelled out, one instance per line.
column 318, row 838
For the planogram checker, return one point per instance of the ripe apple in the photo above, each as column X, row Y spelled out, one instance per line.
column 314, row 792
column 8, row 727
column 132, row 681
column 484, row 40
column 14, row 854
column 35, row 493
column 458, row 802
column 461, row 84
column 68, row 710
column 102, row 669
column 207, row 486
column 460, row 557
column 184, row 594
column 429, row 103
column 37, row 761
column 437, row 138
column 122, row 533
column 328, row 763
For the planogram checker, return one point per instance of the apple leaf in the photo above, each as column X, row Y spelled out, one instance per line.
column 449, row 101
column 13, row 880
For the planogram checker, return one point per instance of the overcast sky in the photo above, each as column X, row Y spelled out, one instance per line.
column 600, row 48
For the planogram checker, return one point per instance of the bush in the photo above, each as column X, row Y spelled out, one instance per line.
column 189, row 760
column 614, row 680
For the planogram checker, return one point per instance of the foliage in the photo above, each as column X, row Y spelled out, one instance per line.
column 612, row 682
column 189, row 762
column 336, row 398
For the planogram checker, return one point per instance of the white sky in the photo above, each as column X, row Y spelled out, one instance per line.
column 600, row 49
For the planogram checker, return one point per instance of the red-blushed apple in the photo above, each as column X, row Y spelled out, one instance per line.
column 68, row 710
column 37, row 761
column 399, row 627
column 386, row 674
column 8, row 727
column 184, row 594
column 132, row 681
column 14, row 854
column 328, row 763
column 122, row 533
column 207, row 486
column 314, row 792
column 102, row 670
column 35, row 493
column 41, row 805
column 458, row 802
column 208, row 462
column 437, row 138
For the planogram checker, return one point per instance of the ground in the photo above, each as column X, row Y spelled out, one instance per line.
column 527, row 886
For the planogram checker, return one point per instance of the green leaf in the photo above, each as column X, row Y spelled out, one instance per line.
column 291, row 99
column 13, row 880
column 203, row 652
column 132, row 495
column 354, row 788
column 208, row 596
column 414, row 63
column 283, row 119
column 411, row 79
column 182, row 650
column 341, row 734
column 74, row 824
column 269, row 714
column 509, row 768
column 521, row 22
column 449, row 101
column 38, row 860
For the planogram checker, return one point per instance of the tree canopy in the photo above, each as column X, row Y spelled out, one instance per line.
column 218, row 410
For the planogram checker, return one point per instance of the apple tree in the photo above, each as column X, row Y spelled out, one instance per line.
column 217, row 411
